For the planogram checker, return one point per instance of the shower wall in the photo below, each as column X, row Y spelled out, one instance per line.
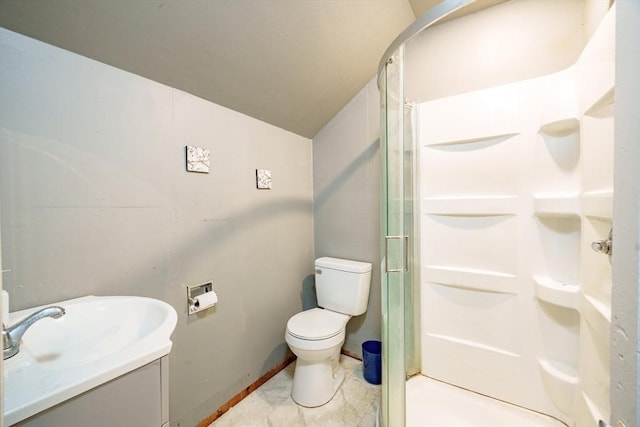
column 507, row 43
column 516, row 182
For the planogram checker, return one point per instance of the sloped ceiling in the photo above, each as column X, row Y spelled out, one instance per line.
column 291, row 63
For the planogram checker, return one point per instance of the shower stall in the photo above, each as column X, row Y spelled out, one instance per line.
column 497, row 217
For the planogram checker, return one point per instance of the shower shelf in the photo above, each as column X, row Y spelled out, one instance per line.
column 557, row 155
column 470, row 206
column 481, row 141
column 598, row 315
column 598, row 204
column 560, row 204
column 561, row 381
column 559, row 114
column 598, row 97
column 561, row 127
column 491, row 281
column 602, row 107
column 557, row 293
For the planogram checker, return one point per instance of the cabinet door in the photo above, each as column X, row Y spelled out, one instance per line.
column 132, row 400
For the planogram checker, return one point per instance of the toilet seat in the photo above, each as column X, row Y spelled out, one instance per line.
column 317, row 324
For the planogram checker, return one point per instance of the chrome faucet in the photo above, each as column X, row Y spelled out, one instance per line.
column 12, row 335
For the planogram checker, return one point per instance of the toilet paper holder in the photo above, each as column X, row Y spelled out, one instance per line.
column 195, row 291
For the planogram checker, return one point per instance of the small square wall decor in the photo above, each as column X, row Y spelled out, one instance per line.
column 263, row 179
column 197, row 159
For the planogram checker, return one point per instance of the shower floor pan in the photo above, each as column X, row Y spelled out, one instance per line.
column 436, row 404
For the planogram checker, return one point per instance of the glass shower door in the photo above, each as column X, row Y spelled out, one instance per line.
column 400, row 276
column 395, row 243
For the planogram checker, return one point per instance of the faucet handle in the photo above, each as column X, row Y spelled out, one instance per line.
column 6, row 338
column 12, row 336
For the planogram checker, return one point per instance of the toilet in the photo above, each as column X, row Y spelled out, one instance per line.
column 316, row 336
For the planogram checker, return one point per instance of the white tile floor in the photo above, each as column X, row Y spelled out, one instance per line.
column 429, row 403
column 354, row 405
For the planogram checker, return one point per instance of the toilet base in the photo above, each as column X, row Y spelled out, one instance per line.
column 315, row 383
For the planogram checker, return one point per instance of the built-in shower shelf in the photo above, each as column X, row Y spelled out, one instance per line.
column 561, row 382
column 557, row 293
column 473, row 143
column 598, row 204
column 460, row 342
column 598, row 315
column 603, row 106
column 491, row 281
column 561, row 127
column 470, row 206
column 562, row 372
column 557, row 204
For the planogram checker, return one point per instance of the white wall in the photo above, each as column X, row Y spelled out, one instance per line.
column 1, row 317
column 625, row 385
column 96, row 200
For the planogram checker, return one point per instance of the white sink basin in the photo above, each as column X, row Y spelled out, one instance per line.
column 97, row 340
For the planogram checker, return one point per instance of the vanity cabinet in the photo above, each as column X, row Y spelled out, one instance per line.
column 139, row 398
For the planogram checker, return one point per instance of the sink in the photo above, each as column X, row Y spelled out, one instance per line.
column 97, row 340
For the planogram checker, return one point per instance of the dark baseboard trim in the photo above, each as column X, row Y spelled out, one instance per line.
column 263, row 379
column 348, row 353
column 244, row 393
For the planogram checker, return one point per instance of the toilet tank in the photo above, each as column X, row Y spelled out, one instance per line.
column 343, row 285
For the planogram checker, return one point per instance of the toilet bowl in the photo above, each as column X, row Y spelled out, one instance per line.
column 316, row 336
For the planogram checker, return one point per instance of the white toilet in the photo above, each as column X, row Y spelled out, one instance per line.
column 316, row 336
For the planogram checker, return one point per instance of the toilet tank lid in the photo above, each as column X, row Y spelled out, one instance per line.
column 343, row 265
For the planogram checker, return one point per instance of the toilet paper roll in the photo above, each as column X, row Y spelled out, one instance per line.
column 204, row 301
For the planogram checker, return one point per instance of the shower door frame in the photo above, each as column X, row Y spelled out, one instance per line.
column 395, row 244
column 398, row 258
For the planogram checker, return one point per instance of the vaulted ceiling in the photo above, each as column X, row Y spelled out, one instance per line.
column 291, row 63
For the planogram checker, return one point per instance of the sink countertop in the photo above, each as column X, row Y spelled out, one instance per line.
column 97, row 340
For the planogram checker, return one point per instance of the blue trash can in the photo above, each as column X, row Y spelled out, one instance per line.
column 372, row 361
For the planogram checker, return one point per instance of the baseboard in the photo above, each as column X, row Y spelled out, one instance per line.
column 244, row 393
column 350, row 354
column 263, row 379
